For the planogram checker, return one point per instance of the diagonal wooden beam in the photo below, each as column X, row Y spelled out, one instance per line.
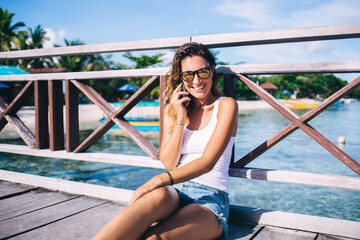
column 18, row 125
column 17, row 103
column 138, row 96
column 332, row 148
column 116, row 117
column 310, row 131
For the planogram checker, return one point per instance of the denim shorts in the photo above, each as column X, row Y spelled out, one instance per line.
column 214, row 199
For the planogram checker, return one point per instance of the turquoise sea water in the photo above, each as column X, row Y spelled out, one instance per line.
column 298, row 152
column 140, row 104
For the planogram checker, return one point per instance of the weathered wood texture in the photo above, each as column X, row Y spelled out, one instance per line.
column 117, row 117
column 218, row 40
column 41, row 103
column 37, row 213
column 315, row 179
column 72, row 116
column 300, row 122
column 56, row 115
column 249, row 69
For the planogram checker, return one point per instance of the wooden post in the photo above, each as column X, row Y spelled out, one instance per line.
column 72, row 116
column 41, row 115
column 56, row 99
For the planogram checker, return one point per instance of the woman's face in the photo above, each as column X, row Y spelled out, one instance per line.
column 198, row 88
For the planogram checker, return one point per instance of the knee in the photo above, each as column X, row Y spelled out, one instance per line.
column 158, row 197
column 161, row 196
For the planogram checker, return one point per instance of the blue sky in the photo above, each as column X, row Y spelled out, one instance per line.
column 116, row 20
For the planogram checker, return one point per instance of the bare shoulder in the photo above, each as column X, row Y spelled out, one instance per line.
column 228, row 104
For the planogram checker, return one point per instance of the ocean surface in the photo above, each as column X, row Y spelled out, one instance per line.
column 297, row 152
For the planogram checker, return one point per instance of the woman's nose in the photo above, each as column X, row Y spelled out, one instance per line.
column 196, row 79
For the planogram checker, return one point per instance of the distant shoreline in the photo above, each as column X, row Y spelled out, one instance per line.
column 90, row 115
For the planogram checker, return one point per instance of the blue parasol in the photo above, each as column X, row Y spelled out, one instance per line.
column 127, row 87
column 286, row 92
column 3, row 85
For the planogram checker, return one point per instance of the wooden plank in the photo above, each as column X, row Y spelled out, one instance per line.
column 247, row 69
column 141, row 45
column 107, row 108
column 41, row 102
column 70, row 187
column 80, row 226
column 218, row 40
column 292, row 127
column 243, row 230
column 18, row 101
column 94, row 136
column 95, row 97
column 331, row 237
column 314, row 179
column 280, row 36
column 132, row 160
column 23, row 131
column 296, row 221
column 44, row 216
column 29, row 202
column 72, row 116
column 137, row 96
column 10, row 189
column 275, row 233
column 301, row 222
column 56, row 115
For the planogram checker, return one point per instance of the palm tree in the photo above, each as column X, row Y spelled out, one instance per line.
column 7, row 31
column 20, row 43
column 74, row 63
column 37, row 39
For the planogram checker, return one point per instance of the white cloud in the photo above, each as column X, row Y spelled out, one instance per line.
column 54, row 37
column 319, row 47
column 274, row 14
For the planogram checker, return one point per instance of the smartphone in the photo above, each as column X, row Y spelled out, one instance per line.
column 186, row 103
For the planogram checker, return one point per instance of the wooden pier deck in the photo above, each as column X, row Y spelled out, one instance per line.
column 33, row 212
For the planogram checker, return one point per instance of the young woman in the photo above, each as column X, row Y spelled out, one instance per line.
column 199, row 132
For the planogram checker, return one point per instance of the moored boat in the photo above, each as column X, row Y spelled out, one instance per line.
column 141, row 124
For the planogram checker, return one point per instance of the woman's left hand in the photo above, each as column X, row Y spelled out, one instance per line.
column 151, row 185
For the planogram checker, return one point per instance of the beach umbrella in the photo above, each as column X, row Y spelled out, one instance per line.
column 3, row 85
column 127, row 87
column 11, row 70
column 286, row 92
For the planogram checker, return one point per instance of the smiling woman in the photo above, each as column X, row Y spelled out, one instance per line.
column 196, row 150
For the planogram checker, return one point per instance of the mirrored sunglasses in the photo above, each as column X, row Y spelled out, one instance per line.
column 202, row 73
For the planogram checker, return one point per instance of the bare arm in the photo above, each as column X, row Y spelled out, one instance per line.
column 225, row 128
column 170, row 151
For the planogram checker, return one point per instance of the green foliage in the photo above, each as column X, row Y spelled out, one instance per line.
column 7, row 31
column 144, row 61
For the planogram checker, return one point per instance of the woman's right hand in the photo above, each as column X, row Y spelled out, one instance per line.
column 177, row 102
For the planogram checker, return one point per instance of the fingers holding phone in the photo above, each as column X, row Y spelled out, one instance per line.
column 180, row 95
column 186, row 102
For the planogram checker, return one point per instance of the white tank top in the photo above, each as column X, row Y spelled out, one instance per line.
column 193, row 146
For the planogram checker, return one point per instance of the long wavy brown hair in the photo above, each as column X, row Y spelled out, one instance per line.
column 173, row 76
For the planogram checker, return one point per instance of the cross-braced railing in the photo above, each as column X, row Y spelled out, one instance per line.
column 299, row 122
column 48, row 95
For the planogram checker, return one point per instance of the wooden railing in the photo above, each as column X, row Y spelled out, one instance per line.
column 47, row 90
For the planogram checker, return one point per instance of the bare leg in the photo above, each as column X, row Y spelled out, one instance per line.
column 190, row 222
column 133, row 221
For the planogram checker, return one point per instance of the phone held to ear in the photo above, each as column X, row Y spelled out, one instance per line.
column 186, row 103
